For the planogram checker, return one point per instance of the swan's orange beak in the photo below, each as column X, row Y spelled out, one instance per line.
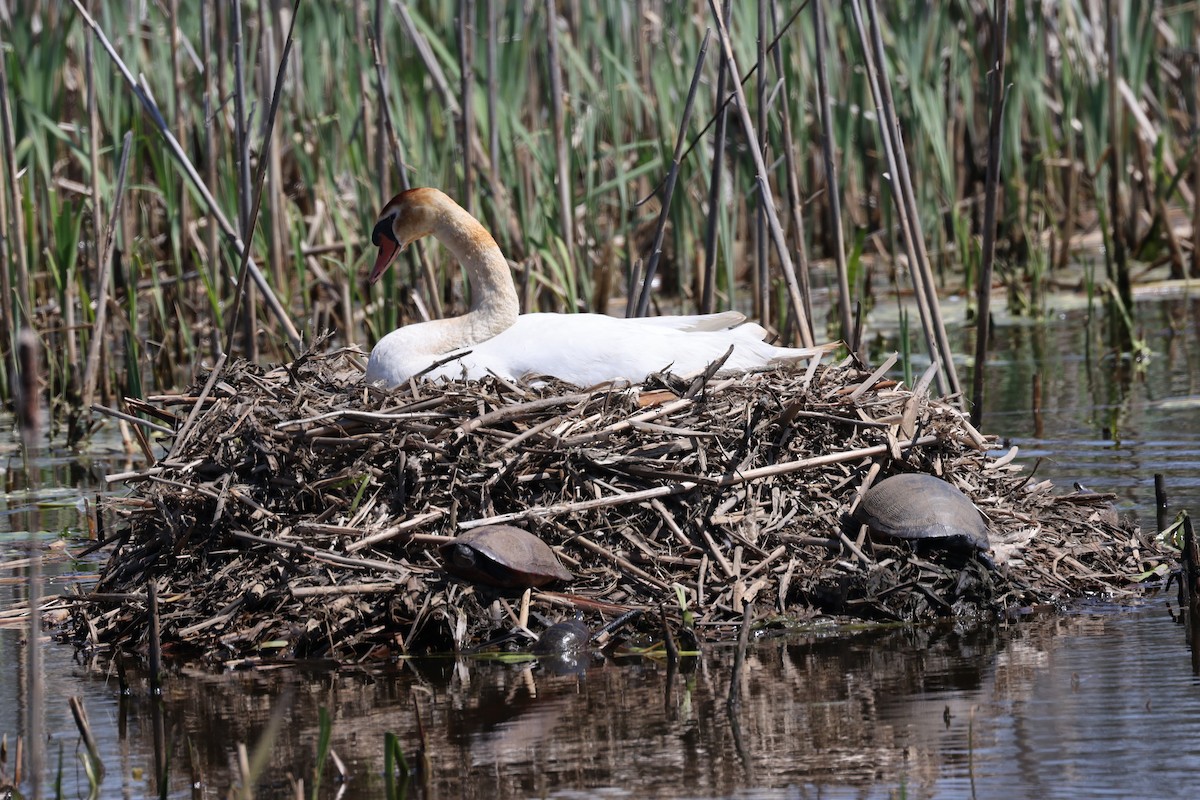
column 384, row 237
column 387, row 251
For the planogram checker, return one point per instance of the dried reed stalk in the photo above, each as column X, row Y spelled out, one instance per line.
column 983, row 295
column 712, row 223
column 558, row 122
column 764, row 188
column 643, row 305
column 276, row 308
column 829, row 159
column 104, row 257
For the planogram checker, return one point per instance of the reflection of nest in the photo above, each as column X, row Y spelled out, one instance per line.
column 300, row 517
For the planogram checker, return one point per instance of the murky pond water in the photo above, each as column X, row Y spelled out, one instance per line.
column 1099, row 701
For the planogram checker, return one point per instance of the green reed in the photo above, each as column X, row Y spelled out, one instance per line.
column 624, row 86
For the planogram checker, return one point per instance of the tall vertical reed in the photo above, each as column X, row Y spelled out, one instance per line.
column 582, row 110
column 995, row 131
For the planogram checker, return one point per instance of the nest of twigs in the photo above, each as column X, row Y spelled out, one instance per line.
column 297, row 513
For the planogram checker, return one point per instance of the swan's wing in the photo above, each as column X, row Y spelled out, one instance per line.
column 589, row 349
column 694, row 322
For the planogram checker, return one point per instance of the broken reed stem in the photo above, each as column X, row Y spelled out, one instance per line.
column 180, row 118
column 712, row 224
column 104, row 256
column 235, row 240
column 130, row 418
column 983, row 295
column 735, row 478
column 545, row 512
column 739, row 661
column 668, row 638
column 660, row 230
column 259, row 179
column 665, row 490
column 1162, row 506
column 185, row 431
column 1189, row 588
column 559, row 125
column 1194, row 73
column 832, row 190
column 624, row 564
column 18, row 313
column 1118, row 262
column 79, row 712
column 29, row 419
column 241, row 140
column 764, row 187
column 155, row 644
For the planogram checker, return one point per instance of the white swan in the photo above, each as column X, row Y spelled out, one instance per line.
column 581, row 349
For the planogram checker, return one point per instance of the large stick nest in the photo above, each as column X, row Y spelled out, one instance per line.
column 298, row 513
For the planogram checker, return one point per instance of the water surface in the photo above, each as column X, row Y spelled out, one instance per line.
column 1099, row 701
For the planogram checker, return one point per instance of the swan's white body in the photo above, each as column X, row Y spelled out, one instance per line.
column 586, row 349
column 582, row 349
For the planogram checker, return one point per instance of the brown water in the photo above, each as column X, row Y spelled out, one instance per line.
column 1100, row 701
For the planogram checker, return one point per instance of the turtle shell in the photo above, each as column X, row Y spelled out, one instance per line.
column 916, row 506
column 504, row 556
column 568, row 636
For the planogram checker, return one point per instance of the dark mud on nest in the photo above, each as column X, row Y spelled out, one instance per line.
column 297, row 514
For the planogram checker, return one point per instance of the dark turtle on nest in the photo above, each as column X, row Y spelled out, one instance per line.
column 568, row 636
column 924, row 509
column 503, row 556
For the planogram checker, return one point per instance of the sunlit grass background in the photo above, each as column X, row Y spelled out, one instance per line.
column 500, row 144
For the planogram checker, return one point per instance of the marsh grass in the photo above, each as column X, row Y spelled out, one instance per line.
column 569, row 180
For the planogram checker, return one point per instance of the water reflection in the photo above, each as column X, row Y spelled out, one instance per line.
column 1105, row 421
column 1063, row 706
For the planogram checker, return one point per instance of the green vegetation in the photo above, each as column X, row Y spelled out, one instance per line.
column 564, row 186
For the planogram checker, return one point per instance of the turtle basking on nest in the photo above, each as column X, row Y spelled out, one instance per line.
column 503, row 556
column 925, row 510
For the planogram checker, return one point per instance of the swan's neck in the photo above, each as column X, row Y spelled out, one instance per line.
column 494, row 306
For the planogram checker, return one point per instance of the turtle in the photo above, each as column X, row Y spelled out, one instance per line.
column 922, row 508
column 504, row 556
column 568, row 636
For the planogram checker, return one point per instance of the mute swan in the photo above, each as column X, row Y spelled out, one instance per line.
column 493, row 338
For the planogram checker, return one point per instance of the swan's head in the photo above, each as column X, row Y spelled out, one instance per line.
column 407, row 217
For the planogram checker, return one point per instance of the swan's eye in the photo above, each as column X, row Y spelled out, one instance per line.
column 384, row 228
